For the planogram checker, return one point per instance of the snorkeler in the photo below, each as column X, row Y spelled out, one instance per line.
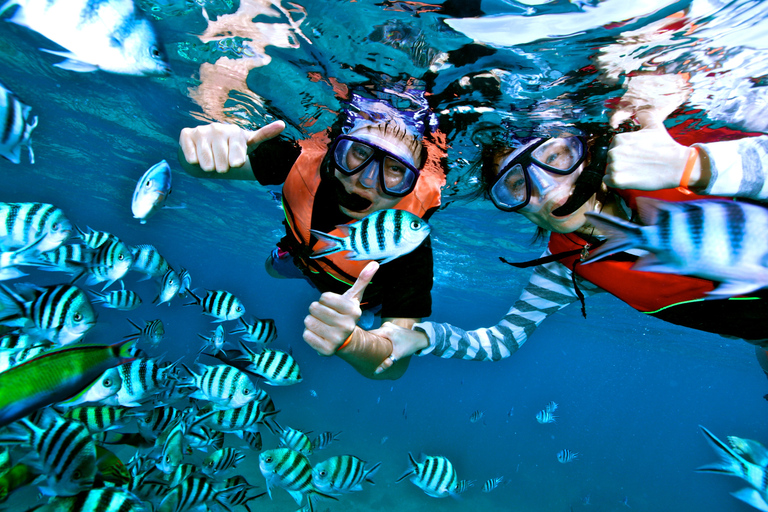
column 374, row 162
column 553, row 180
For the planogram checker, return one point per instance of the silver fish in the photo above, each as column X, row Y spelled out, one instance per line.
column 476, row 416
column 23, row 223
column 322, row 441
column 342, row 474
column 18, row 125
column 60, row 313
column 565, row 456
column 123, row 300
column 111, row 261
column 545, row 416
column 171, row 444
column 221, row 461
column 383, row 235
column 220, row 304
column 157, row 420
column 147, row 260
column 731, row 463
column 277, row 368
column 151, row 191
column 215, row 340
column 713, row 239
column 142, row 379
column 108, row 35
column 153, row 331
column 104, row 387
column 169, row 287
column 295, row 440
column 70, row 258
column 259, row 331
column 291, row 470
column 434, row 475
column 93, row 238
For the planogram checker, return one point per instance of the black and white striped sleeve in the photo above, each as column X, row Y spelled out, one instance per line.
column 739, row 168
column 549, row 290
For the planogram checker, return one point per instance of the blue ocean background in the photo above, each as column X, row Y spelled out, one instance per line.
column 631, row 390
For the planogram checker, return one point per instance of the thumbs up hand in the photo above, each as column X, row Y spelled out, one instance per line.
column 333, row 318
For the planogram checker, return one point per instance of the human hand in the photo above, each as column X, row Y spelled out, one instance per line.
column 220, row 146
column 405, row 342
column 333, row 318
column 647, row 159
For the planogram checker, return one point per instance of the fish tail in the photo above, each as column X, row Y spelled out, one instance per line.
column 414, row 467
column 11, row 304
column 371, row 472
column 335, row 244
column 732, row 463
column 123, row 349
column 621, row 235
column 197, row 299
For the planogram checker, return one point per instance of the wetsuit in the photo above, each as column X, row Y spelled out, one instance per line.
column 401, row 287
column 739, row 168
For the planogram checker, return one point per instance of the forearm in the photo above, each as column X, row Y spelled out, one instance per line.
column 737, row 168
column 365, row 352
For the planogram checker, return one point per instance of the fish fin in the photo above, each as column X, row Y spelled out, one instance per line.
column 730, row 463
column 733, row 288
column 414, row 467
column 751, row 497
column 621, row 235
column 72, row 63
column 369, row 473
column 296, row 495
column 344, row 228
column 651, row 263
column 334, row 244
column 648, row 208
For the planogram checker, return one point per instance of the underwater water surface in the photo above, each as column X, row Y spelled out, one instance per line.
column 631, row 390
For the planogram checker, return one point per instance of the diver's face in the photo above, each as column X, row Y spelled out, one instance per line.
column 544, row 200
column 366, row 184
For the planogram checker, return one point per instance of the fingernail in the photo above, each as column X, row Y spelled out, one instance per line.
column 378, row 370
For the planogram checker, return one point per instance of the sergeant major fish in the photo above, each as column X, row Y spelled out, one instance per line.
column 18, row 126
column 108, row 35
column 23, row 223
column 713, row 239
column 220, row 304
column 342, row 474
column 565, row 456
column 223, row 385
column 151, row 191
column 260, row 331
column 434, row 475
column 383, row 235
column 291, row 470
column 277, row 368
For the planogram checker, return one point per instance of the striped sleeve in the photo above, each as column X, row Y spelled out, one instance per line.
column 739, row 168
column 549, row 290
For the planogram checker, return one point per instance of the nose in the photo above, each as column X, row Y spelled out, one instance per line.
column 541, row 181
column 368, row 175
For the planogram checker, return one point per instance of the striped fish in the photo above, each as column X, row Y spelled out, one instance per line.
column 295, row 440
column 291, row 470
column 152, row 423
column 18, row 341
column 23, row 223
column 322, row 441
column 59, row 313
column 111, row 262
column 123, row 300
column 752, row 451
column 9, row 260
column 107, row 385
column 277, row 368
column 70, row 258
column 224, row 385
column 253, row 439
column 383, row 235
column 108, row 499
column 17, row 126
column 565, row 456
column 221, row 461
column 94, row 239
column 240, row 420
column 17, row 357
column 731, row 463
column 153, row 332
column 544, row 416
column 241, row 496
column 492, row 483
column 192, row 494
column 464, row 485
column 342, row 474
column 259, row 331
column 182, row 472
column 476, row 416
column 713, row 239
column 142, row 380
column 147, row 260
column 100, row 418
column 215, row 341
column 171, row 443
column 169, row 287
column 219, row 304
column 66, row 454
column 201, row 437
column 434, row 475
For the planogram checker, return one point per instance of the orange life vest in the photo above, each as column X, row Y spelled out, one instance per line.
column 298, row 201
column 645, row 291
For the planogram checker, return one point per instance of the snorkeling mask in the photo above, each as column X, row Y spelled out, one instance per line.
column 535, row 165
column 376, row 159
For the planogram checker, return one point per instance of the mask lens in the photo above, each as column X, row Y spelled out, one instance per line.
column 561, row 155
column 511, row 190
column 350, row 156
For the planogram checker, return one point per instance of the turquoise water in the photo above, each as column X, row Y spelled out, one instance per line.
column 632, row 390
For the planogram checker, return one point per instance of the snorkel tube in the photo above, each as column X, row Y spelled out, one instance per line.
column 590, row 180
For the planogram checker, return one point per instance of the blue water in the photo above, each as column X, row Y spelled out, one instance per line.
column 632, row 390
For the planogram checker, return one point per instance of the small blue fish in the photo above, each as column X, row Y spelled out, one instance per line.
column 151, row 191
column 565, row 456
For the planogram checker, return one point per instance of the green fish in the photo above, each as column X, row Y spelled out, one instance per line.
column 55, row 376
column 18, row 476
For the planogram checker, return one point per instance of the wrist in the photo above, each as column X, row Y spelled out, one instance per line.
column 347, row 341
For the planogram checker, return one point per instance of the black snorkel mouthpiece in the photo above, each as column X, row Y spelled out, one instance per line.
column 351, row 202
column 591, row 178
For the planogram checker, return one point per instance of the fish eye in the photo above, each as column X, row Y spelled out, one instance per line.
column 155, row 51
column 167, row 458
column 77, row 317
column 107, row 382
column 238, row 309
column 148, row 183
column 246, row 391
column 55, row 226
column 268, row 459
column 323, row 473
column 77, row 474
column 415, row 224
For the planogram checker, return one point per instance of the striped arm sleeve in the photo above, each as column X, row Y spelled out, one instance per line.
column 739, row 168
column 549, row 290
